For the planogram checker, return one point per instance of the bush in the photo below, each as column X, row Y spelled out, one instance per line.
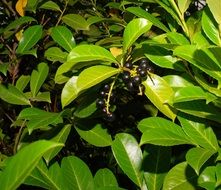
column 98, row 94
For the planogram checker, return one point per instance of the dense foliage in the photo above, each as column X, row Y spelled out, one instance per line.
column 110, row 95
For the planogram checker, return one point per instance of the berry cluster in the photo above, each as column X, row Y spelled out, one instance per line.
column 104, row 102
column 133, row 76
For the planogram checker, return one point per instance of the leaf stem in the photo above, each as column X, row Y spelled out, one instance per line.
column 18, row 136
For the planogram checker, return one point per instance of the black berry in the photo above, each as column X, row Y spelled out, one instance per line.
column 143, row 72
column 136, row 80
column 126, row 76
column 100, row 103
column 106, row 87
column 110, row 117
column 128, row 65
column 130, row 86
column 144, row 63
column 103, row 94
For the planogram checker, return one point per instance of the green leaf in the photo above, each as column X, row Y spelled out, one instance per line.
column 159, row 92
column 180, row 177
column 156, row 164
column 162, row 132
column 22, row 82
column 218, row 174
column 134, row 30
column 39, row 118
column 76, row 21
column 41, row 97
column 4, row 68
column 85, row 53
column 196, row 157
column 69, row 92
column 177, row 38
column 215, row 7
column 210, row 27
column 128, row 156
column 207, row 178
column 192, row 93
column 63, row 36
column 200, row 109
column 201, row 58
column 200, row 134
column 144, row 14
column 94, row 133
column 76, row 174
column 94, row 75
column 12, row 95
column 18, row 22
column 87, row 106
column 38, row 77
column 60, row 137
column 176, row 81
column 110, row 188
column 56, row 54
column 46, row 178
column 105, row 178
column 161, row 57
column 30, row 37
column 21, row 165
column 50, row 5
column 183, row 5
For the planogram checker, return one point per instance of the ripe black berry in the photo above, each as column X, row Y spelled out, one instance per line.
column 103, row 94
column 126, row 76
column 143, row 72
column 130, row 86
column 136, row 80
column 144, row 63
column 128, row 65
column 106, row 88
column 110, row 117
column 100, row 103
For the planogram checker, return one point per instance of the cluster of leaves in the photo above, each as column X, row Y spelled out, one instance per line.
column 56, row 56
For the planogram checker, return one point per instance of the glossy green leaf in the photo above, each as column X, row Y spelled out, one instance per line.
column 196, row 157
column 215, row 7
column 4, row 68
column 200, row 134
column 156, row 123
column 105, row 178
column 94, row 75
column 94, row 134
column 21, row 165
column 64, row 37
column 110, row 188
column 50, row 5
column 38, row 77
column 207, row 178
column 60, row 137
column 76, row 174
column 218, row 174
column 161, row 57
column 202, row 59
column 46, row 178
column 134, row 30
column 180, row 177
column 76, row 21
column 18, row 22
column 22, row 82
column 85, row 53
column 183, row 5
column 13, row 95
column 144, row 14
column 159, row 133
column 210, row 27
column 41, row 97
column 69, row 92
column 156, row 164
column 56, row 54
column 128, row 156
column 159, row 92
column 95, row 19
column 177, row 38
column 30, row 37
column 200, row 109
column 192, row 93
column 176, row 81
column 87, row 106
column 39, row 118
